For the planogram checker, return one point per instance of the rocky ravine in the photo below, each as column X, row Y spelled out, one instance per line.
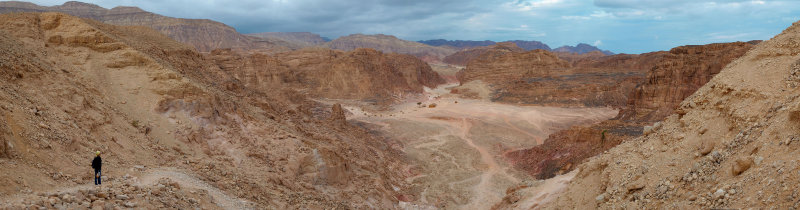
column 731, row 144
column 71, row 86
column 205, row 35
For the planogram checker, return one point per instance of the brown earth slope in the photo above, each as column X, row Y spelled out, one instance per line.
column 205, row 35
column 732, row 144
column 362, row 74
column 674, row 77
column 156, row 108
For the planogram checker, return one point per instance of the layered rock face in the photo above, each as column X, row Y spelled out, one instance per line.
column 387, row 44
column 72, row 86
column 204, row 35
column 673, row 76
column 363, row 74
column 732, row 144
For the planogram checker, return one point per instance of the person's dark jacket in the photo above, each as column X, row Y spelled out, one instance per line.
column 97, row 163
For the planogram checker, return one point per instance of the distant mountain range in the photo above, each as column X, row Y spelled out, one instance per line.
column 527, row 45
column 581, row 49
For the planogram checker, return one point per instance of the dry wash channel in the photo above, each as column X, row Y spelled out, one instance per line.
column 456, row 147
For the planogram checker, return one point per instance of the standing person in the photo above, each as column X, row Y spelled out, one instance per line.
column 97, row 163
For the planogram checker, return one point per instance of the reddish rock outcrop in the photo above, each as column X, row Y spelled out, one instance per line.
column 673, row 76
column 337, row 116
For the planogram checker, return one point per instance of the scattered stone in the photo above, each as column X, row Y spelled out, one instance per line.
column 741, row 165
column 122, row 197
column 98, row 205
column 102, row 195
column 130, row 204
column 601, row 197
column 719, row 194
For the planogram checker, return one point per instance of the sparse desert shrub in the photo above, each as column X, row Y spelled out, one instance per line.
column 432, row 106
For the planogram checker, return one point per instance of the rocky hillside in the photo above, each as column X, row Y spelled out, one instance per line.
column 296, row 39
column 674, row 76
column 581, row 48
column 387, row 44
column 205, row 35
column 731, row 144
column 362, row 74
column 156, row 108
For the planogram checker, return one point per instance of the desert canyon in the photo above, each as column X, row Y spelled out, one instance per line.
column 191, row 114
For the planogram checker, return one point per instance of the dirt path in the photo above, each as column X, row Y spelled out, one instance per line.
column 151, row 177
column 219, row 197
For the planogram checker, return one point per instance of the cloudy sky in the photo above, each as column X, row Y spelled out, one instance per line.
column 623, row 26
